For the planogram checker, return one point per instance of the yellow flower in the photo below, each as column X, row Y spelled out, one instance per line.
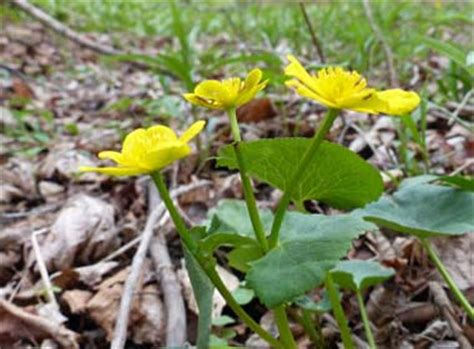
column 337, row 88
column 148, row 150
column 229, row 93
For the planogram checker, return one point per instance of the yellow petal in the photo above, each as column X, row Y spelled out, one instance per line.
column 192, row 131
column 115, row 171
column 295, row 69
column 253, row 78
column 133, row 143
column 163, row 157
column 112, row 155
column 191, row 97
column 372, row 105
column 212, row 89
column 160, row 134
column 306, row 92
column 399, row 102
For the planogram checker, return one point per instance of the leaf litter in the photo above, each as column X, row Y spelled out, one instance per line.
column 86, row 223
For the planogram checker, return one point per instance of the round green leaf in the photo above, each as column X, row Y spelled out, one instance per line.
column 310, row 246
column 424, row 210
column 336, row 176
column 359, row 275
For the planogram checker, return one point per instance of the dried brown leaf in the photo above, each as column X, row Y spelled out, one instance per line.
column 83, row 232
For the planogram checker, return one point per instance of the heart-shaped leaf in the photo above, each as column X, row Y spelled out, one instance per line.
column 231, row 216
column 335, row 176
column 310, row 246
column 424, row 210
column 359, row 275
column 229, row 224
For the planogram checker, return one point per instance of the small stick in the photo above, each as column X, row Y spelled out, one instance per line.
column 441, row 300
column 75, row 37
column 60, row 28
column 65, row 337
column 314, row 38
column 42, row 268
column 393, row 80
column 121, row 325
column 176, row 324
column 172, row 294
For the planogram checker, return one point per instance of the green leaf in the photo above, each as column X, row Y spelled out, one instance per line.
column 462, row 182
column 231, row 216
column 424, row 210
column 305, row 302
column 203, row 290
column 243, row 295
column 229, row 225
column 465, row 183
column 310, row 246
column 336, row 176
column 223, row 320
column 452, row 52
column 359, row 275
column 241, row 257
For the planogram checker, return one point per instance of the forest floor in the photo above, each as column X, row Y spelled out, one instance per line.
column 61, row 104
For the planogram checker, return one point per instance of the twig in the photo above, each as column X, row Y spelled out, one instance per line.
column 467, row 164
column 441, row 300
column 172, row 294
column 77, row 38
column 65, row 337
column 121, row 325
column 460, row 107
column 60, row 28
column 393, row 79
column 314, row 38
column 42, row 268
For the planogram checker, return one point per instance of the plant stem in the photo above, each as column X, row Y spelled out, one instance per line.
column 207, row 265
column 307, row 157
column 246, row 184
column 313, row 331
column 281, row 320
column 365, row 319
column 279, row 312
column 234, row 125
column 445, row 274
column 333, row 295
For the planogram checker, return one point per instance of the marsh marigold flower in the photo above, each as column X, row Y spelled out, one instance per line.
column 148, row 150
column 337, row 88
column 228, row 93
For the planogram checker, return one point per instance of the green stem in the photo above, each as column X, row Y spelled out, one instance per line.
column 445, row 274
column 206, row 265
column 279, row 312
column 307, row 157
column 246, row 184
column 175, row 216
column 234, row 125
column 281, row 320
column 333, row 295
column 365, row 319
column 310, row 328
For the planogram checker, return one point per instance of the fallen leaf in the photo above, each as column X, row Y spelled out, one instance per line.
column 21, row 89
column 63, row 163
column 256, row 110
column 77, row 300
column 83, row 232
column 146, row 319
column 218, row 302
column 20, row 174
column 456, row 254
column 18, row 323
column 50, row 190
